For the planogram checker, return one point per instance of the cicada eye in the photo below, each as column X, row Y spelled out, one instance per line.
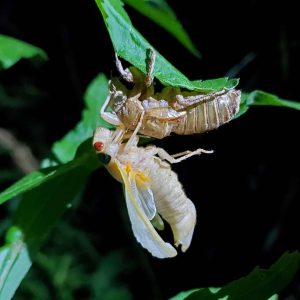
column 119, row 99
column 118, row 102
column 104, row 158
column 98, row 146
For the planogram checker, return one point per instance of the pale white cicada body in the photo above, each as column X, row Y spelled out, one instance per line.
column 152, row 190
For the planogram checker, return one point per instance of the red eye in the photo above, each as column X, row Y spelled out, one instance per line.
column 98, row 146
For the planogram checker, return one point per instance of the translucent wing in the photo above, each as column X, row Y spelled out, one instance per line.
column 143, row 194
column 165, row 114
column 142, row 228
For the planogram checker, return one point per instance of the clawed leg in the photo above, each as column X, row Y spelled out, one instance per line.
column 126, row 74
column 184, row 155
column 109, row 117
column 198, row 99
column 150, row 67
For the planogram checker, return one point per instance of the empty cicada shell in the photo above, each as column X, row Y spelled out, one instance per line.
column 171, row 110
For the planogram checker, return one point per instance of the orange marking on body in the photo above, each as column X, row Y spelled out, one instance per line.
column 128, row 168
column 142, row 178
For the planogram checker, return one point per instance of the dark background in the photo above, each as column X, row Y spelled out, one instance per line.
column 246, row 193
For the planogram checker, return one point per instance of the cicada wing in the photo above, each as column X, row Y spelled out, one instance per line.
column 165, row 114
column 142, row 228
column 143, row 194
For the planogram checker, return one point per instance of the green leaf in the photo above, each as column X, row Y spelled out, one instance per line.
column 94, row 98
column 28, row 182
column 86, row 158
column 45, row 198
column 12, row 50
column 49, row 200
column 47, row 193
column 260, row 284
column 160, row 12
column 258, row 97
column 263, row 98
column 14, row 263
column 216, row 84
column 131, row 45
column 36, row 215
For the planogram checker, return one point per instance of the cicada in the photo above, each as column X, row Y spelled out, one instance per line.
column 158, row 114
column 152, row 190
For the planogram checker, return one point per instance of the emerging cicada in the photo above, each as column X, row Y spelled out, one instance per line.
column 151, row 188
column 171, row 110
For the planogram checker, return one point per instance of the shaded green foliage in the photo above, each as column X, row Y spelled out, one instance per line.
column 260, row 284
column 87, row 161
column 161, row 13
column 94, row 97
column 49, row 201
column 61, row 273
column 50, row 191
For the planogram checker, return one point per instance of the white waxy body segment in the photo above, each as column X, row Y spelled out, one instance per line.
column 152, row 190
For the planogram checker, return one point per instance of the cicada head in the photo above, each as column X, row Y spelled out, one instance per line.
column 104, row 144
column 118, row 101
column 117, row 93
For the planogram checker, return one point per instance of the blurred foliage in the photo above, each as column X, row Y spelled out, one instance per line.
column 61, row 273
column 94, row 97
column 260, row 284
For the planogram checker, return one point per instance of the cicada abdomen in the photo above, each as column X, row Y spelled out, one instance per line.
column 210, row 115
column 174, row 206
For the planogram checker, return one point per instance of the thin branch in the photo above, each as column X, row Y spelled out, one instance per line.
column 20, row 153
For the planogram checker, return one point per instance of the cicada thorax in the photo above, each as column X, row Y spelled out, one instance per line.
column 210, row 114
column 126, row 102
column 130, row 113
column 159, row 118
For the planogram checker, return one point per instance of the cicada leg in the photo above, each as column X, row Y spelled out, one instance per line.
column 109, row 117
column 125, row 73
column 189, row 102
column 184, row 155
